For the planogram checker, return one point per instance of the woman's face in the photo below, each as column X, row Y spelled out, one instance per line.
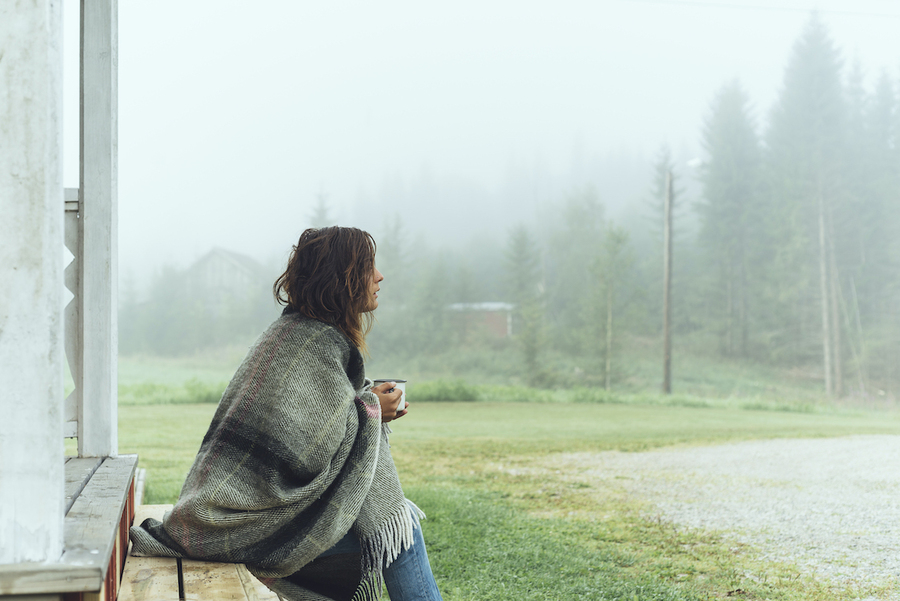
column 374, row 287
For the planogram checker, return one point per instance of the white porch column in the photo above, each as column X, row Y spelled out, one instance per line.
column 31, row 281
column 97, row 427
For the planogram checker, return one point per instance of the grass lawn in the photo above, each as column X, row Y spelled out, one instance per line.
column 504, row 534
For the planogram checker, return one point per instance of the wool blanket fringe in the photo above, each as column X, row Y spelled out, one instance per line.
column 379, row 551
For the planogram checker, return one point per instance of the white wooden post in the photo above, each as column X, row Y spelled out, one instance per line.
column 97, row 427
column 31, row 273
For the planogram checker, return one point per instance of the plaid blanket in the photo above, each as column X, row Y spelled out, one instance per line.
column 295, row 457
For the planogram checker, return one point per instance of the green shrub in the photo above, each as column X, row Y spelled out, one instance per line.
column 444, row 391
column 685, row 400
column 594, row 395
column 203, row 392
column 759, row 405
column 149, row 393
column 517, row 394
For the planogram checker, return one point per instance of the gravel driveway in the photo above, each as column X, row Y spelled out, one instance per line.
column 830, row 506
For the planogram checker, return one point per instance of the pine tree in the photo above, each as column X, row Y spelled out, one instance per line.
column 806, row 202
column 877, row 221
column 429, row 329
column 392, row 260
column 574, row 242
column 523, row 284
column 729, row 213
column 611, row 271
column 391, row 334
column 321, row 215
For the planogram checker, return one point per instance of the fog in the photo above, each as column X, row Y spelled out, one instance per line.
column 462, row 118
column 516, row 153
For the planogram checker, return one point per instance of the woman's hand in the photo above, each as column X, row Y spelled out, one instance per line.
column 391, row 399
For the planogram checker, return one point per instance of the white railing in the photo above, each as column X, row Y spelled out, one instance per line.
column 72, row 328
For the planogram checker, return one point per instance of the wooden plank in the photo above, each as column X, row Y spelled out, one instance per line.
column 142, row 512
column 117, row 560
column 78, row 471
column 140, row 483
column 97, row 434
column 208, row 581
column 124, row 535
column 197, row 573
column 42, row 578
column 92, row 529
column 253, row 588
column 100, row 595
column 149, row 579
column 91, row 526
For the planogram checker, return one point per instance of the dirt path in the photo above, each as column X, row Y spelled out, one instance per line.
column 830, row 506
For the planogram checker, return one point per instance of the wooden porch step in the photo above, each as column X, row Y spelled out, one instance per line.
column 99, row 505
column 167, row 579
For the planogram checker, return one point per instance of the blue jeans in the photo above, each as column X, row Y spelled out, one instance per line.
column 409, row 577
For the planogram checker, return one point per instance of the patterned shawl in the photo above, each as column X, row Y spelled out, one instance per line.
column 295, row 457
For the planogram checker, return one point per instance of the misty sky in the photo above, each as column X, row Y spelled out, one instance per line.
column 235, row 115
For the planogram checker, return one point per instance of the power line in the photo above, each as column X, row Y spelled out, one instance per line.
column 764, row 8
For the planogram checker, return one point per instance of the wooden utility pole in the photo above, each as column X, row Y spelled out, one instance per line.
column 835, row 312
column 823, row 285
column 667, row 288
column 609, row 326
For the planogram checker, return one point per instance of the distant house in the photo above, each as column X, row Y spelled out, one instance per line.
column 222, row 277
column 493, row 317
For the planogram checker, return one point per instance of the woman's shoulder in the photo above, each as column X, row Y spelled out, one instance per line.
column 323, row 339
column 300, row 322
column 294, row 339
column 298, row 328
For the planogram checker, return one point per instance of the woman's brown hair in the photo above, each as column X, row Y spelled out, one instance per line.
column 327, row 278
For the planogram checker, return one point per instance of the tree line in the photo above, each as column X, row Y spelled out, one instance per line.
column 799, row 223
column 786, row 252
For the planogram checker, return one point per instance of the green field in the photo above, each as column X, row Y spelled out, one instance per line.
column 495, row 535
column 700, row 377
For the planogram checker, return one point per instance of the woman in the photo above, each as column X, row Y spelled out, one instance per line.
column 295, row 477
